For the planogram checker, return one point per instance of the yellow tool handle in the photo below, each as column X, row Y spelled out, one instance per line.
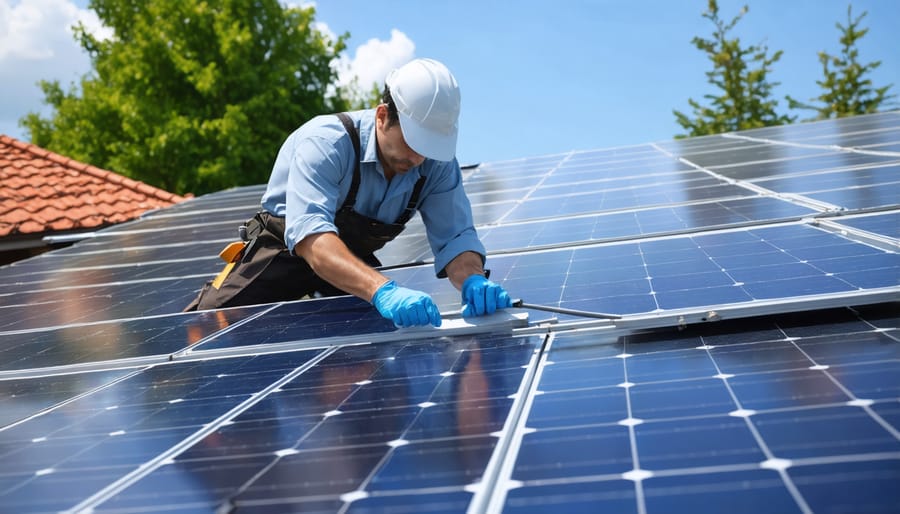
column 232, row 252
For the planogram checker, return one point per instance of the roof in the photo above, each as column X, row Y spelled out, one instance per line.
column 42, row 191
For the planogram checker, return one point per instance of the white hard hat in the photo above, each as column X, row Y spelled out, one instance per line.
column 427, row 99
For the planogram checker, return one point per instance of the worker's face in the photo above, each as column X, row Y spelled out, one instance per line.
column 395, row 155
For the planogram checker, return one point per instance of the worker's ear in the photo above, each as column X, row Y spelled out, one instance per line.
column 381, row 116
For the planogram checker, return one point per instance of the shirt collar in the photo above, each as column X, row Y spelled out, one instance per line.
column 367, row 136
column 368, row 142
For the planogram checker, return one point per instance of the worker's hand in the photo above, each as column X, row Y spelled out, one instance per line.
column 481, row 296
column 405, row 307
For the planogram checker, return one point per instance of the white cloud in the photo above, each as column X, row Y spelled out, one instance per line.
column 42, row 29
column 374, row 59
column 36, row 44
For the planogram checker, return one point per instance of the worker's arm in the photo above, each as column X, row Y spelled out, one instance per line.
column 479, row 295
column 331, row 260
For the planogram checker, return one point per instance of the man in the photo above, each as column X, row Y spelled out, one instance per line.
column 343, row 186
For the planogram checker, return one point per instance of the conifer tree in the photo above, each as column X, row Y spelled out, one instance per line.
column 847, row 90
column 741, row 75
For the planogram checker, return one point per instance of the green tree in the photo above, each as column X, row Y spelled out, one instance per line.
column 192, row 95
column 847, row 91
column 741, row 73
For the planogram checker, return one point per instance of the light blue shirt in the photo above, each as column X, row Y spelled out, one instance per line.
column 312, row 176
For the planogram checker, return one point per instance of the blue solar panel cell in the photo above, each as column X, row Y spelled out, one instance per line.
column 588, row 373
column 579, row 451
column 870, row 381
column 566, row 408
column 682, row 398
column 787, row 389
column 696, row 443
column 824, row 432
column 673, row 365
column 869, row 486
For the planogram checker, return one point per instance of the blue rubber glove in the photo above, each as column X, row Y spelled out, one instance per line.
column 405, row 307
column 481, row 296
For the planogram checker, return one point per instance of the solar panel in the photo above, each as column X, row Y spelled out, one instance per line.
column 740, row 416
column 755, row 364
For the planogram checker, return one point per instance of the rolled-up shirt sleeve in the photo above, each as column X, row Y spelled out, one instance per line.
column 447, row 215
column 313, row 186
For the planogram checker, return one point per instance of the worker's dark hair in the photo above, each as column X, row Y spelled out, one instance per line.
column 386, row 99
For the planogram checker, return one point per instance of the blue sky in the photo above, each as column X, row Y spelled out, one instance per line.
column 537, row 77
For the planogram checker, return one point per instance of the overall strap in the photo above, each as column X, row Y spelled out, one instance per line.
column 412, row 204
column 354, row 137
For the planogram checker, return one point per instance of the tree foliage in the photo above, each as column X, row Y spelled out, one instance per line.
column 741, row 74
column 192, row 95
column 847, row 90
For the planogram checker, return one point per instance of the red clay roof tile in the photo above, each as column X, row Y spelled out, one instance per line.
column 41, row 191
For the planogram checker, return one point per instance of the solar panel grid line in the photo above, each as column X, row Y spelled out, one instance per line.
column 499, row 467
column 781, row 159
column 839, row 189
column 862, row 403
column 604, row 190
column 799, row 200
column 845, row 167
column 149, row 466
column 517, row 163
column 612, row 211
column 636, row 474
column 661, row 236
column 884, row 136
column 771, row 462
column 812, row 146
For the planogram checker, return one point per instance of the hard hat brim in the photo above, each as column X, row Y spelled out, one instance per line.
column 428, row 143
